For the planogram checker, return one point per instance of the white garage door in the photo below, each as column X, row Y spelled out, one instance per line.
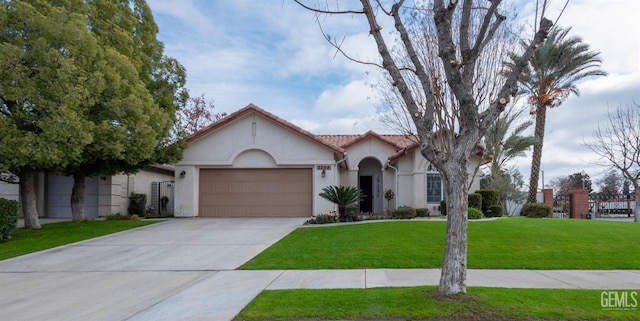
column 59, row 196
column 255, row 192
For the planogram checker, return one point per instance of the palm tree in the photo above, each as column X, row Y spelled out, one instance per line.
column 342, row 196
column 549, row 79
column 505, row 143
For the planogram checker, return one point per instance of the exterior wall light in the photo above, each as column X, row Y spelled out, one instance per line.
column 183, row 174
column 324, row 173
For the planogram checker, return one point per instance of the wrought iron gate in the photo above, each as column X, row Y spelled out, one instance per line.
column 162, row 197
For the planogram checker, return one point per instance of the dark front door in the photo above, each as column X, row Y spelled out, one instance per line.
column 366, row 185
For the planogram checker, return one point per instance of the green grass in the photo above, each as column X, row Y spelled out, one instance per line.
column 61, row 233
column 418, row 303
column 510, row 243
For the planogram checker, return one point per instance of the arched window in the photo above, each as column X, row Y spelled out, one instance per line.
column 434, row 185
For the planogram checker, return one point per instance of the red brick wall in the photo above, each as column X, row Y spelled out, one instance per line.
column 579, row 203
column 547, row 194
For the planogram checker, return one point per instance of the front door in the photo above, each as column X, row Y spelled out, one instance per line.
column 366, row 185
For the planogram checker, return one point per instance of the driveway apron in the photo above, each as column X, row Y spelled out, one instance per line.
column 181, row 269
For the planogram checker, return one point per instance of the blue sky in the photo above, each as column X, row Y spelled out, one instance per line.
column 272, row 53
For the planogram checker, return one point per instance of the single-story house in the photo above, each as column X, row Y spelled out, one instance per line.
column 104, row 195
column 254, row 163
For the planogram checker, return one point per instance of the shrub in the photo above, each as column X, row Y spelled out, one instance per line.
column 137, row 204
column 495, row 211
column 536, row 210
column 475, row 200
column 8, row 218
column 489, row 197
column 474, row 213
column 122, row 217
column 443, row 208
column 322, row 219
column 404, row 212
column 161, row 215
column 422, row 212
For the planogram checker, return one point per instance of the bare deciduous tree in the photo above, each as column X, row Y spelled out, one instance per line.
column 449, row 126
column 197, row 114
column 617, row 142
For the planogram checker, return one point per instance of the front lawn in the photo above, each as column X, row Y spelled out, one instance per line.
column 421, row 303
column 61, row 233
column 509, row 243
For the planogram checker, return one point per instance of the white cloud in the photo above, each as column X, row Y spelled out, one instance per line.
column 305, row 124
column 185, row 11
column 354, row 98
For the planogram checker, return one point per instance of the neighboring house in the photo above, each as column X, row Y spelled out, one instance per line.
column 253, row 163
column 104, row 195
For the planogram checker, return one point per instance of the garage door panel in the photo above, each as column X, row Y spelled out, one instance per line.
column 255, row 192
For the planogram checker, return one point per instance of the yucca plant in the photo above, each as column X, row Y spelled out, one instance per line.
column 342, row 196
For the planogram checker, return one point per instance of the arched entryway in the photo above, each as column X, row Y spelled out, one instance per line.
column 370, row 182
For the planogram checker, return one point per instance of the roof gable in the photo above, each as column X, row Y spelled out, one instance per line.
column 251, row 108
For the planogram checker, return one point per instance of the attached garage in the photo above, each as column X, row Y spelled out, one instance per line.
column 255, row 192
column 59, row 196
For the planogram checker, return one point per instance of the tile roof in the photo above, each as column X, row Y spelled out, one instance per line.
column 337, row 143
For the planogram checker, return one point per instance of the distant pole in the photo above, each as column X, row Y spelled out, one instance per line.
column 542, row 178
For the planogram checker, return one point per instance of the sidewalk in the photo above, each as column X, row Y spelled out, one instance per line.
column 222, row 296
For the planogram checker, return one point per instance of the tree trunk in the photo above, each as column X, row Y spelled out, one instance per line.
column 28, row 199
column 453, row 278
column 636, row 210
column 541, row 114
column 77, row 197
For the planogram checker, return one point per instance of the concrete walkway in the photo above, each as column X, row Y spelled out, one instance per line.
column 184, row 269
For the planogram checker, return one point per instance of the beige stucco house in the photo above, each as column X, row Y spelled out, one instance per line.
column 253, row 163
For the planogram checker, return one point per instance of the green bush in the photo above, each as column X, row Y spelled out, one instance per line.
column 422, row 212
column 322, row 219
column 536, row 210
column 122, row 217
column 489, row 197
column 475, row 200
column 495, row 211
column 137, row 204
column 404, row 212
column 8, row 218
column 161, row 215
column 443, row 208
column 474, row 213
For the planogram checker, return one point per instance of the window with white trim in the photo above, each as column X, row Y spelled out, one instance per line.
column 434, row 186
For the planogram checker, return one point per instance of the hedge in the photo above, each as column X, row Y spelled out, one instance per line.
column 422, row 212
column 495, row 211
column 475, row 200
column 489, row 197
column 8, row 218
column 443, row 208
column 536, row 210
column 404, row 212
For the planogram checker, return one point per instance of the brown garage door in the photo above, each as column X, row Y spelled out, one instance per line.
column 255, row 192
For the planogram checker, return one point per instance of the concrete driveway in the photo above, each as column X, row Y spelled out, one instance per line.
column 181, row 269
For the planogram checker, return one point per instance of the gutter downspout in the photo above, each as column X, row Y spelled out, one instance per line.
column 396, row 174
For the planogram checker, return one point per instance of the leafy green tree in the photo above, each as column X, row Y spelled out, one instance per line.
column 550, row 78
column 46, row 77
column 135, row 111
column 342, row 196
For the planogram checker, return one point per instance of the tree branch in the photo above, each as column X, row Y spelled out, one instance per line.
column 327, row 11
